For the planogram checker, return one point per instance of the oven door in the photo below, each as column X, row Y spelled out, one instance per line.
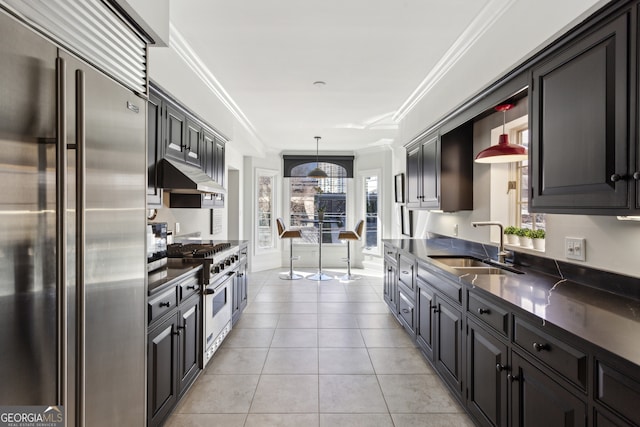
column 217, row 313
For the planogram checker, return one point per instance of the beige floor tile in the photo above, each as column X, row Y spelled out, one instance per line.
column 286, row 394
column 220, row 394
column 340, row 338
column 237, row 361
column 355, row 420
column 402, row 360
column 257, row 321
column 386, row 338
column 351, row 394
column 206, row 420
column 291, row 361
column 249, row 338
column 286, row 297
column 337, row 321
column 431, row 420
column 298, row 321
column 282, row 420
column 353, row 361
column 377, row 321
column 416, row 394
column 295, row 338
column 364, row 297
column 333, row 297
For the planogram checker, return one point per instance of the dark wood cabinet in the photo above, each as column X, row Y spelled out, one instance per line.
column 174, row 132
column 174, row 344
column 487, row 369
column 189, row 346
column 162, row 367
column 390, row 281
column 155, row 150
column 240, row 285
column 194, row 148
column 406, row 310
column 580, row 125
column 448, row 348
column 425, row 306
column 537, row 400
column 440, row 171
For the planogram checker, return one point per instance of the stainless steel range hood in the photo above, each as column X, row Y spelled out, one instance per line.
column 181, row 178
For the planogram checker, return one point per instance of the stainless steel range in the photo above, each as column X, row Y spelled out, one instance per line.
column 219, row 261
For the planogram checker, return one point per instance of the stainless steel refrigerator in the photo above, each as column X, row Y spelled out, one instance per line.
column 72, row 235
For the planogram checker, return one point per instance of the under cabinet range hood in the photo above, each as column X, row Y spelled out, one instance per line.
column 181, row 178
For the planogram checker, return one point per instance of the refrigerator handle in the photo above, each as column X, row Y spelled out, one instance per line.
column 80, row 248
column 61, row 229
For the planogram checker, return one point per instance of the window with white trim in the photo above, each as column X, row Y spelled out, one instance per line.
column 265, row 209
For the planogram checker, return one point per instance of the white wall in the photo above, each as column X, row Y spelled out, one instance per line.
column 152, row 16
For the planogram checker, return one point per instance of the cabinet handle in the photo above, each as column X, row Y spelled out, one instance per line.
column 405, row 310
column 389, row 253
column 616, row 177
column 500, row 367
column 389, row 269
column 435, row 309
column 513, row 378
column 540, row 347
column 191, row 287
column 636, row 175
column 484, row 311
column 165, row 304
column 178, row 332
column 240, row 275
column 405, row 272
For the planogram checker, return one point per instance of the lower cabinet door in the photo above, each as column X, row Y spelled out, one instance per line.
column 424, row 328
column 190, row 336
column 537, row 400
column 486, row 377
column 448, row 348
column 162, row 365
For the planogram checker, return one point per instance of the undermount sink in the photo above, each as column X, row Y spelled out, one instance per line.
column 478, row 270
column 458, row 262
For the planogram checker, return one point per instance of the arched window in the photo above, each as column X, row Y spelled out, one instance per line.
column 309, row 196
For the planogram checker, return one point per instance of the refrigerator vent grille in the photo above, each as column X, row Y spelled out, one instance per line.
column 94, row 32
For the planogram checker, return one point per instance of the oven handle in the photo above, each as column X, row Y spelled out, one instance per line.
column 212, row 289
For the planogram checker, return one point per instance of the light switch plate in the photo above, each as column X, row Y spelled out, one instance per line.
column 575, row 248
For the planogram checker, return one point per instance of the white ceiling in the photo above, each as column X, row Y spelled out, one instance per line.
column 372, row 54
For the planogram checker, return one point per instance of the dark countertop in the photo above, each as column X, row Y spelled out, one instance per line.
column 605, row 319
column 173, row 271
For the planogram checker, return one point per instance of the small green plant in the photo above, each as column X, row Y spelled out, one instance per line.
column 523, row 232
column 510, row 230
column 538, row 234
column 322, row 209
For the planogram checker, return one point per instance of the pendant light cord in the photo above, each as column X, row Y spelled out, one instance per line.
column 317, row 156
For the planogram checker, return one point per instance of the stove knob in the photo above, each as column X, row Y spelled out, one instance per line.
column 227, row 261
column 222, row 266
column 236, row 257
column 216, row 269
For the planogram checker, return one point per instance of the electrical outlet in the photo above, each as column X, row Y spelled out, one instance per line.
column 455, row 229
column 177, row 227
column 575, row 248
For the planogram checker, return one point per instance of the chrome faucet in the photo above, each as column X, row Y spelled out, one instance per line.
column 502, row 254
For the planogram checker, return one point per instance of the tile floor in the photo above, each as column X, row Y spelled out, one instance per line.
column 321, row 354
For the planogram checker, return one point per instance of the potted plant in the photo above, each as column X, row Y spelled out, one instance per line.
column 321, row 211
column 525, row 237
column 538, row 239
column 510, row 232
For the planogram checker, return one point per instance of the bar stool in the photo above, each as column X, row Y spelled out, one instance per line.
column 349, row 236
column 283, row 233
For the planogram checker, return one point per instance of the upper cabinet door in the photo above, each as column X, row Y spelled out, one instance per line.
column 579, row 119
column 194, row 151
column 430, row 196
column 175, row 132
column 414, row 181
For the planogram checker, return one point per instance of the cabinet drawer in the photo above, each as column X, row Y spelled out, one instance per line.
column 406, row 308
column 618, row 391
column 489, row 313
column 390, row 254
column 162, row 303
column 566, row 360
column 405, row 272
column 451, row 289
column 188, row 287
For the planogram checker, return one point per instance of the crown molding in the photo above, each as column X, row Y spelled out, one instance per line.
column 474, row 31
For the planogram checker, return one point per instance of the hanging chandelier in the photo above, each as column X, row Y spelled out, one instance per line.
column 317, row 172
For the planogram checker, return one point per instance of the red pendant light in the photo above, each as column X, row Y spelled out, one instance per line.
column 503, row 152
